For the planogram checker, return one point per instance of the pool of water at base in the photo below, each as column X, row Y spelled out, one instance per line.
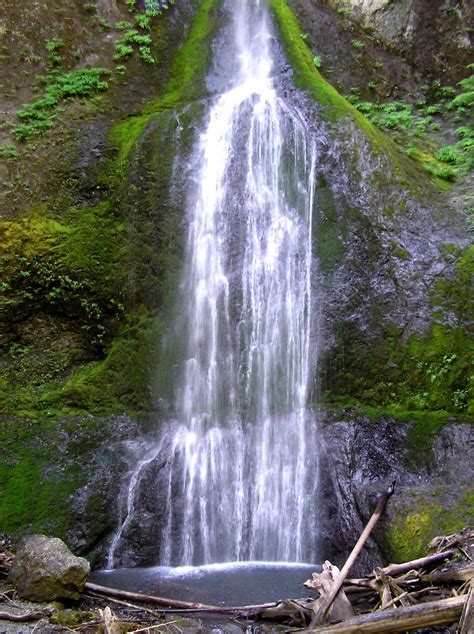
column 224, row 584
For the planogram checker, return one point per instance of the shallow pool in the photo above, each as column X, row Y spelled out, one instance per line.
column 229, row 584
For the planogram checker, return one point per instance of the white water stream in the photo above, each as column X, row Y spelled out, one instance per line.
column 240, row 460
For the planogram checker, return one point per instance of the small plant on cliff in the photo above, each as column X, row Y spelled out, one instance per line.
column 54, row 58
column 125, row 49
column 143, row 21
column 39, row 115
column 8, row 151
column 357, row 44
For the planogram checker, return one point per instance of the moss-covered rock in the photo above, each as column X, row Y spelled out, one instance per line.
column 433, row 475
column 418, row 519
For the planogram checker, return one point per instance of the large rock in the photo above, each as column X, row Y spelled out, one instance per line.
column 44, row 569
column 432, row 466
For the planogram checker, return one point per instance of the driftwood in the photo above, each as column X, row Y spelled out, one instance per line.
column 423, row 562
column 388, row 590
column 396, row 569
column 110, row 621
column 340, row 607
column 293, row 610
column 146, row 598
column 26, row 616
column 176, row 606
column 414, row 617
column 466, row 624
column 326, row 602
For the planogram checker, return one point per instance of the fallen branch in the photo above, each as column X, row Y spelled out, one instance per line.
column 423, row 562
column 125, row 604
column 451, row 576
column 466, row 623
column 396, row 599
column 26, row 616
column 414, row 617
column 325, row 603
column 176, row 606
column 438, row 578
column 145, row 598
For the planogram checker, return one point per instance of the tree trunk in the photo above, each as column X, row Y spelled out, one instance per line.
column 415, row 617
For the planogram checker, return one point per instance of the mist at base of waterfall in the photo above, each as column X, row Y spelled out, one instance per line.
column 227, row 584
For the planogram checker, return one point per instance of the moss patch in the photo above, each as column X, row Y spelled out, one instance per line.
column 309, row 79
column 120, row 382
column 424, row 373
column 430, row 373
column 191, row 63
column 413, row 529
column 34, row 491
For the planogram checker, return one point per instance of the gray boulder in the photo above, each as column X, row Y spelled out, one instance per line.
column 44, row 569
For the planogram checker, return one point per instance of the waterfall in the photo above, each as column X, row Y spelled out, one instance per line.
column 239, row 465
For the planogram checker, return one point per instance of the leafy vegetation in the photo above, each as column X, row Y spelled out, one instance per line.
column 39, row 115
column 8, row 151
column 421, row 121
column 143, row 42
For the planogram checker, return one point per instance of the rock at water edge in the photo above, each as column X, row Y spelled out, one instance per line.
column 44, row 569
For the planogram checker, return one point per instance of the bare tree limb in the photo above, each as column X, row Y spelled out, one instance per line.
column 325, row 604
column 414, row 617
column 26, row 616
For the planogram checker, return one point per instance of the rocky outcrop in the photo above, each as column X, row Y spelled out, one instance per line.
column 44, row 569
column 435, row 35
column 433, row 474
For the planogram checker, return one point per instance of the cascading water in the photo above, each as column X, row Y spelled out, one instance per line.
column 239, row 466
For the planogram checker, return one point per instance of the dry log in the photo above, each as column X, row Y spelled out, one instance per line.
column 398, row 569
column 125, row 604
column 288, row 610
column 388, row 588
column 111, row 625
column 325, row 604
column 414, row 617
column 451, row 576
column 145, row 598
column 383, row 588
column 448, row 541
column 323, row 582
column 466, row 624
column 176, row 606
column 26, row 616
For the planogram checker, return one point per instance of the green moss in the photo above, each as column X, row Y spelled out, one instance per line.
column 191, row 62
column 61, row 288
column 308, row 78
column 443, row 174
column 33, row 492
column 424, row 374
column 185, row 84
column 69, row 268
column 413, row 529
column 70, row 618
column 120, row 382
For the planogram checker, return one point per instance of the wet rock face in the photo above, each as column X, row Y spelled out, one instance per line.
column 44, row 569
column 433, row 485
column 435, row 34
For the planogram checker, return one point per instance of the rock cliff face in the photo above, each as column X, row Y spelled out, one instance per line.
column 92, row 237
column 435, row 37
column 433, row 475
